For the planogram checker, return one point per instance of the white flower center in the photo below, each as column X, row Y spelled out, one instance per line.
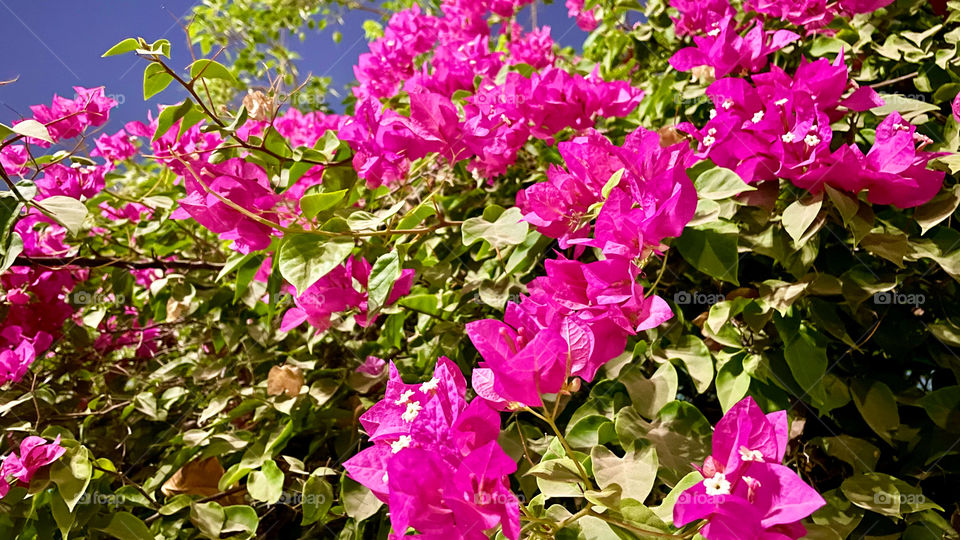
column 413, row 409
column 757, row 116
column 780, row 102
column 709, row 140
column 714, row 33
column 747, row 454
column 788, row 137
column 385, row 478
column 811, row 140
column 718, row 485
column 727, row 103
column 430, row 385
column 713, row 113
column 401, row 443
column 404, row 397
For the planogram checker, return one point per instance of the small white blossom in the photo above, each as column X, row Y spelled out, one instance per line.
column 413, row 409
column 718, row 485
column 430, row 385
column 747, row 454
column 788, row 137
column 401, row 443
column 757, row 116
column 811, row 140
column 404, row 397
column 708, row 140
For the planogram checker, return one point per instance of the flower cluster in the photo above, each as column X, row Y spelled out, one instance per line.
column 37, row 299
column 746, row 492
column 35, row 452
column 336, row 293
column 778, row 126
column 579, row 316
column 436, row 461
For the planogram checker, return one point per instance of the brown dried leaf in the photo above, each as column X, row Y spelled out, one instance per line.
column 285, row 380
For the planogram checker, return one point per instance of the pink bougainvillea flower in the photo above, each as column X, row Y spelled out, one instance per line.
column 372, row 366
column 335, row 293
column 956, row 107
column 746, row 492
column 116, row 147
column 586, row 19
column 35, row 452
column 68, row 118
column 700, row 16
column 240, row 182
column 527, row 362
column 435, row 459
column 723, row 49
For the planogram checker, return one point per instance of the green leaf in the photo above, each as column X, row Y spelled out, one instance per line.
column 720, row 183
column 712, row 249
column 240, row 518
column 305, row 258
column 72, row 474
column 943, row 407
column 169, row 116
column 650, row 395
column 126, row 526
column 317, row 499
column 612, row 182
column 32, row 128
column 695, row 355
column 665, row 510
column 884, row 494
column 877, row 405
column 67, row 211
column 937, row 210
column 208, row 517
column 635, row 472
column 211, row 69
column 62, row 515
column 155, row 80
column 358, row 501
column 266, row 485
column 800, row 215
column 680, row 434
column 125, row 46
column 506, row 230
column 732, row 383
column 314, row 201
column 805, row 351
column 384, row 273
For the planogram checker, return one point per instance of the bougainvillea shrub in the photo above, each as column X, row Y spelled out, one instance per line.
column 697, row 279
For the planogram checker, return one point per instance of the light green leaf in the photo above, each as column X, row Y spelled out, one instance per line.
column 68, row 211
column 240, row 518
column 884, row 494
column 877, row 405
column 635, row 472
column 211, row 69
column 155, row 80
column 266, row 485
column 720, row 183
column 314, row 201
column 358, row 501
column 305, row 258
column 125, row 46
column 695, row 355
column 317, row 499
column 72, row 474
column 208, row 517
column 506, row 230
column 650, row 395
column 32, row 128
column 126, row 526
column 712, row 249
column 384, row 273
column 800, row 215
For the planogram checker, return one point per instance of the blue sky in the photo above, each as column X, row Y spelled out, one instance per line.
column 53, row 45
